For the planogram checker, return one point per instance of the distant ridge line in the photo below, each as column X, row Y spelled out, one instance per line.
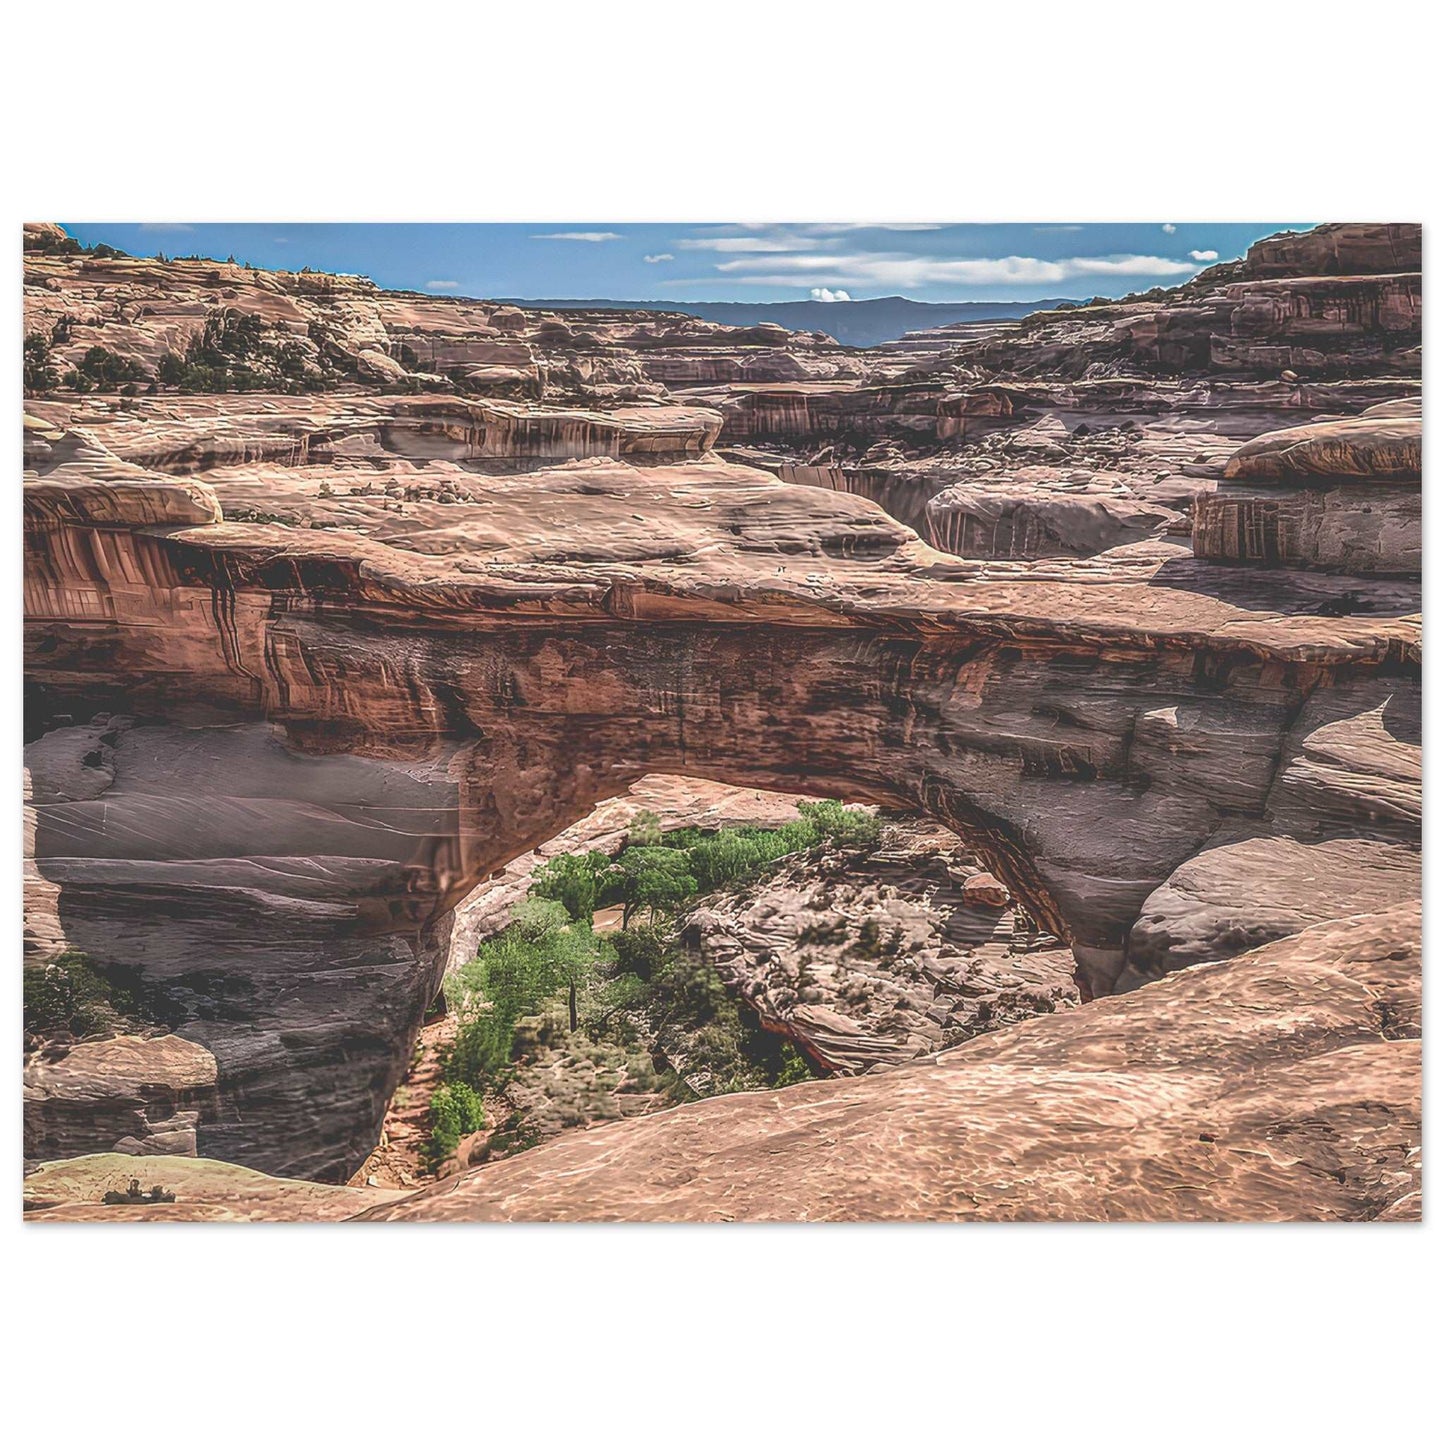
column 854, row 323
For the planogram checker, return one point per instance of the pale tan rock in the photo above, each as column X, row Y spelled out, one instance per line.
column 204, row 1189
column 1280, row 1085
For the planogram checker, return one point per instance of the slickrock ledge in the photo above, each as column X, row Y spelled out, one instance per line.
column 206, row 1190
column 1183, row 1100
column 131, row 1095
column 1338, row 496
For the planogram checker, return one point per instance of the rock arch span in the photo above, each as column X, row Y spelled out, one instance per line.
column 268, row 763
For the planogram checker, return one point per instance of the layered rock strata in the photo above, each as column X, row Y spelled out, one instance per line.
column 869, row 961
column 304, row 670
column 1339, row 496
column 338, row 736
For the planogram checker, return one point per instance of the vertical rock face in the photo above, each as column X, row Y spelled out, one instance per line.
column 302, row 671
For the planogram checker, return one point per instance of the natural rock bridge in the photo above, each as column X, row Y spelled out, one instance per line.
column 267, row 763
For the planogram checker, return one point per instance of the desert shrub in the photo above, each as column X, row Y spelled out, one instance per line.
column 847, row 827
column 734, row 853
column 170, row 369
column 68, row 994
column 793, row 1068
column 455, row 1109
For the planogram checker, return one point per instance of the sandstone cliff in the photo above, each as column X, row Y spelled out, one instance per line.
column 304, row 669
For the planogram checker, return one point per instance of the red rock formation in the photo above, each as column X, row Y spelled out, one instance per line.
column 1185, row 1100
column 1342, row 496
column 303, row 670
column 364, row 731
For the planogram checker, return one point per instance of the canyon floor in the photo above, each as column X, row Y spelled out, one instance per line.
column 349, row 611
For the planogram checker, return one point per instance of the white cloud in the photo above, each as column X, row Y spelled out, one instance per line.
column 442, row 285
column 770, row 244
column 822, row 293
column 579, row 236
column 1205, row 255
column 661, row 256
column 165, row 226
column 817, row 228
column 1126, row 266
column 1169, row 228
column 876, row 226
column 896, row 269
column 1058, row 228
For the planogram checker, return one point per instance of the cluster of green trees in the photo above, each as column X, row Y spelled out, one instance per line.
column 98, row 370
column 102, row 370
column 660, row 872
column 629, row 985
column 39, row 373
column 235, row 353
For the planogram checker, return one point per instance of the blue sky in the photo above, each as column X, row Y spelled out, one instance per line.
column 721, row 262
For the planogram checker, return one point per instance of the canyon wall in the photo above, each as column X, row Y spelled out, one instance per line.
column 303, row 669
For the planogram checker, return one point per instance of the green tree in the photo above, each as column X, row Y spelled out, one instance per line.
column 651, row 878
column 572, row 879
column 40, row 375
column 513, row 974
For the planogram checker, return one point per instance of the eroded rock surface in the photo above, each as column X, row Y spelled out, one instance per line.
column 304, row 670
column 1182, row 1100
column 204, row 1189
column 127, row 1095
column 1340, row 496
column 871, row 960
